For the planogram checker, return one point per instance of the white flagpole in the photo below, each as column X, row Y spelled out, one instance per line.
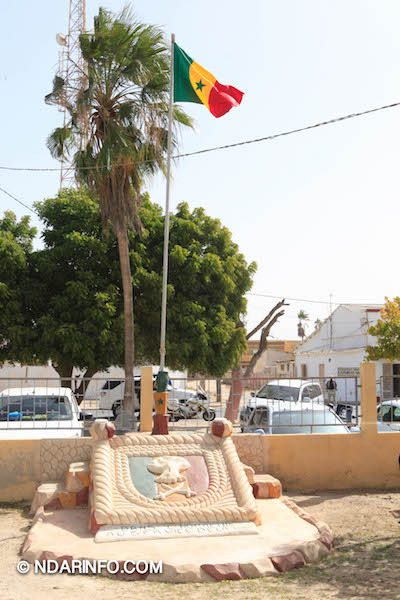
column 166, row 225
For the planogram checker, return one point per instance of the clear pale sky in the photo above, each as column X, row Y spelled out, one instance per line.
column 318, row 211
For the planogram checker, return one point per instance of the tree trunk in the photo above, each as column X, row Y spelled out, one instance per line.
column 235, row 395
column 65, row 373
column 123, row 247
column 238, row 379
column 83, row 386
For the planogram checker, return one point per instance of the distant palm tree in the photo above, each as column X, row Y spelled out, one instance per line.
column 317, row 323
column 123, row 105
column 301, row 326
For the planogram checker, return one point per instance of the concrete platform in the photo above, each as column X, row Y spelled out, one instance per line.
column 289, row 538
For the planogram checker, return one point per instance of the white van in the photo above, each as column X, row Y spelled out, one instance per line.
column 111, row 395
column 34, row 412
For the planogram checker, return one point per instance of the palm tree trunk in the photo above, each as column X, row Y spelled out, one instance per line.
column 123, row 247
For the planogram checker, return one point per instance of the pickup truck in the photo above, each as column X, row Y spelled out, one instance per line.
column 34, row 412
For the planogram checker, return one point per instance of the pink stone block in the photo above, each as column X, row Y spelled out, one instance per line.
column 293, row 560
column 225, row 571
column 82, row 497
column 269, row 488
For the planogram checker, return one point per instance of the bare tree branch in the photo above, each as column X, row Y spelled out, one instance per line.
column 267, row 318
column 236, row 391
column 263, row 344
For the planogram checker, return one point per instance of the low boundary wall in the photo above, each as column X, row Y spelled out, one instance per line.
column 302, row 462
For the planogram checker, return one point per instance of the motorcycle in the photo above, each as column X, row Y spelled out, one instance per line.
column 190, row 408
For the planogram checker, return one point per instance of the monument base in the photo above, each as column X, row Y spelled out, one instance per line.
column 160, row 425
column 288, row 538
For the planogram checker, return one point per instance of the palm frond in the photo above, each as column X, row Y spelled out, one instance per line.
column 60, row 142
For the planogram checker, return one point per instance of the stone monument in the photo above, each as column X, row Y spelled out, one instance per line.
column 184, row 500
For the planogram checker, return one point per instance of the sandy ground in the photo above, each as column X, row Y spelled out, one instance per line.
column 364, row 564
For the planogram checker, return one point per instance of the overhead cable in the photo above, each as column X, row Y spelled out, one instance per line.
column 19, row 201
column 226, row 146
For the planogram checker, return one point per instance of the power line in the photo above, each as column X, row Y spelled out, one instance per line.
column 287, row 298
column 226, row 146
column 292, row 131
column 19, row 201
column 311, row 301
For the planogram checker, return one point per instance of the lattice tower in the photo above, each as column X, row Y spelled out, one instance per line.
column 72, row 68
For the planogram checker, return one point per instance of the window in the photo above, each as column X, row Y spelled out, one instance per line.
column 313, row 391
column 308, row 392
column 303, row 370
column 389, row 414
column 279, row 392
column 306, row 421
column 110, row 385
column 35, row 408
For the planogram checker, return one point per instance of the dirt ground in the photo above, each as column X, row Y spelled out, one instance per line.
column 364, row 564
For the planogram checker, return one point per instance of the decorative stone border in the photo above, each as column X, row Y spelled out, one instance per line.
column 114, row 500
column 326, row 535
column 297, row 555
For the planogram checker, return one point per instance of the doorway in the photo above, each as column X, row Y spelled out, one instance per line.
column 396, row 380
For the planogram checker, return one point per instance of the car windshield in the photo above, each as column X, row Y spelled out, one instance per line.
column 306, row 421
column 35, row 408
column 279, row 392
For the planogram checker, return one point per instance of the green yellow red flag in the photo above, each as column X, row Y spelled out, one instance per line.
column 192, row 83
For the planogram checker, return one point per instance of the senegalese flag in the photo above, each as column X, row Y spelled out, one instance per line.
column 192, row 83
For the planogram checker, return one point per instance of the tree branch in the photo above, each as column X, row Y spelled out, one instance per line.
column 267, row 318
column 263, row 344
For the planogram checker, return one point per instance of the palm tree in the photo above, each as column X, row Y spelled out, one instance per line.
column 301, row 326
column 121, row 109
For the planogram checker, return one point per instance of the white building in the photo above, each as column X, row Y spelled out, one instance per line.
column 337, row 348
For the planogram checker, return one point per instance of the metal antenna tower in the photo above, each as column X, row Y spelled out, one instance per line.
column 72, row 68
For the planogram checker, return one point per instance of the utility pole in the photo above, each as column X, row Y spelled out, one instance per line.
column 72, row 68
column 330, row 323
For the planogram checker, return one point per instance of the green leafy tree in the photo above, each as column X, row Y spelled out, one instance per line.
column 16, row 320
column 208, row 278
column 118, row 127
column 72, row 299
column 77, row 296
column 387, row 330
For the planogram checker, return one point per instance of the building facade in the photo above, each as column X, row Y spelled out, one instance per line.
column 337, row 348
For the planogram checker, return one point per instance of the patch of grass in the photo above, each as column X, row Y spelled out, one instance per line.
column 21, row 505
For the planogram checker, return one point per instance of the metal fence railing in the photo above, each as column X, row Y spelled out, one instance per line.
column 52, row 407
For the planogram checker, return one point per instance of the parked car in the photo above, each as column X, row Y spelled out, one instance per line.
column 112, row 393
column 274, row 420
column 382, row 428
column 32, row 413
column 389, row 413
column 290, row 394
